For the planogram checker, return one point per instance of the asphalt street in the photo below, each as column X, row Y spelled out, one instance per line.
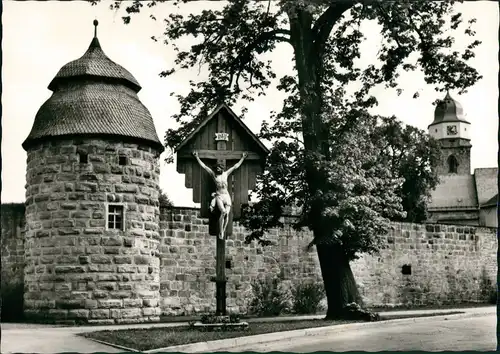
column 453, row 334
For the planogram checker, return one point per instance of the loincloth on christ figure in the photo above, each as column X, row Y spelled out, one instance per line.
column 225, row 198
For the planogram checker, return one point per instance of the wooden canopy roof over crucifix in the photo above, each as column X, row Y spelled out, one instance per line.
column 221, row 138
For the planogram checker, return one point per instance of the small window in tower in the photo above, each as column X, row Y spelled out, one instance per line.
column 83, row 157
column 436, row 130
column 115, row 217
column 122, row 160
column 452, row 164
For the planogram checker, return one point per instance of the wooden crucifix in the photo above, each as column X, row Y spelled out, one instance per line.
column 221, row 189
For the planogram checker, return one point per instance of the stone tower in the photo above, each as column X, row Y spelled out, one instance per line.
column 92, row 211
column 452, row 131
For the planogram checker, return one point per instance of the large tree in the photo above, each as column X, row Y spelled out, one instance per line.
column 346, row 191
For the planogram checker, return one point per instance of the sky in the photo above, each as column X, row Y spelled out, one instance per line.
column 40, row 37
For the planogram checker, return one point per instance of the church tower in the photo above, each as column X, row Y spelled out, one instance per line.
column 452, row 131
column 92, row 210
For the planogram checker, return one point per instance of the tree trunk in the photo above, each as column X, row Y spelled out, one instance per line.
column 340, row 285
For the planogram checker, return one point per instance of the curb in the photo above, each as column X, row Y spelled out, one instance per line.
column 114, row 345
column 222, row 344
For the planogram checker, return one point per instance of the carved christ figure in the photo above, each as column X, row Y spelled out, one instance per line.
column 221, row 197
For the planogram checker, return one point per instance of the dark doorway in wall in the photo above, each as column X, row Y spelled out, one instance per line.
column 228, row 264
column 406, row 269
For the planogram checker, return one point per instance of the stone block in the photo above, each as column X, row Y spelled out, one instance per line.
column 131, row 313
column 90, row 231
column 111, row 250
column 69, row 269
column 100, row 294
column 66, row 177
column 42, row 233
column 81, row 214
column 109, row 286
column 111, row 241
column 97, row 223
column 126, row 269
column 132, row 302
column 116, row 313
column 58, row 313
column 68, row 231
column 150, row 302
column 101, row 259
column 101, row 197
column 80, row 295
column 146, row 294
column 68, row 304
column 100, row 313
column 120, row 294
column 141, row 199
column 110, row 303
column 42, row 198
column 108, row 277
column 142, row 260
column 123, row 259
column 126, row 188
column 125, row 286
column 58, row 196
column 98, row 214
column 106, row 267
column 84, row 260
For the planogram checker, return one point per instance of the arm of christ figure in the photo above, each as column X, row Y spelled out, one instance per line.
column 235, row 167
column 205, row 167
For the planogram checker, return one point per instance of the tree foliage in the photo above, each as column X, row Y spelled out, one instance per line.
column 323, row 127
column 165, row 200
column 411, row 154
column 328, row 156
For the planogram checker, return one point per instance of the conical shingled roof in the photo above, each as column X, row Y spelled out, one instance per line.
column 448, row 110
column 95, row 63
column 94, row 96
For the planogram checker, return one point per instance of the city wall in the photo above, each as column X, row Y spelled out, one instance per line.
column 419, row 264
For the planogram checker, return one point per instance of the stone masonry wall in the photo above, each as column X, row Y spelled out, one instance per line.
column 12, row 242
column 447, row 264
column 12, row 247
column 188, row 262
column 77, row 269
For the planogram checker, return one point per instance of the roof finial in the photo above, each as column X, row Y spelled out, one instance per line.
column 95, row 28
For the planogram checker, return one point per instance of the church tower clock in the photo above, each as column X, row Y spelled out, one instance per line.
column 452, row 131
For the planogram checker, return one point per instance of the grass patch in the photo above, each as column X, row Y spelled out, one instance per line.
column 154, row 338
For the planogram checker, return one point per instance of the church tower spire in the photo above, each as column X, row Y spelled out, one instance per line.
column 452, row 131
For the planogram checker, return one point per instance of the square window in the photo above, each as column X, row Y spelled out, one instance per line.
column 115, row 217
column 83, row 157
column 122, row 160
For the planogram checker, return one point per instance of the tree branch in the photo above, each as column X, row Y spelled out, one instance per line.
column 264, row 36
column 243, row 56
column 327, row 20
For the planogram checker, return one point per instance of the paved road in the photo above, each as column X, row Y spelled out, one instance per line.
column 475, row 332
column 454, row 334
column 46, row 339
